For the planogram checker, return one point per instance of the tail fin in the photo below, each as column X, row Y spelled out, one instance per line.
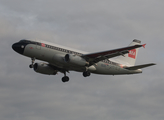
column 130, row 58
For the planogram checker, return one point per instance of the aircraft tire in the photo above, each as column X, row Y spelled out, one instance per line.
column 31, row 66
column 65, row 79
column 86, row 73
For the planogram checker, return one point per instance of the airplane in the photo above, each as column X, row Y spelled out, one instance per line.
column 63, row 59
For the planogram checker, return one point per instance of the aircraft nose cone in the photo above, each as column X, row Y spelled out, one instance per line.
column 18, row 48
column 14, row 46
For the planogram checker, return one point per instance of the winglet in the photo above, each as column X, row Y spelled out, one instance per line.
column 144, row 45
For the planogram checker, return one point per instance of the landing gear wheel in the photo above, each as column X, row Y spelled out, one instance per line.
column 65, row 79
column 86, row 73
column 31, row 66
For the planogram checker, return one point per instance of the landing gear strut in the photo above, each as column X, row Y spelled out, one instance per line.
column 65, row 78
column 32, row 65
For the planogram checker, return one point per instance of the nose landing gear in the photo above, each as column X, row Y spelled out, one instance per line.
column 32, row 65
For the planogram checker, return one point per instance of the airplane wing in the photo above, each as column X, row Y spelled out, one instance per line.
column 93, row 58
column 139, row 66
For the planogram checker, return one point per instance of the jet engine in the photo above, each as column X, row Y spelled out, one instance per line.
column 44, row 68
column 75, row 60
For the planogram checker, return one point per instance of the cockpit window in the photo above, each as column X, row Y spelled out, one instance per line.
column 24, row 41
column 21, row 41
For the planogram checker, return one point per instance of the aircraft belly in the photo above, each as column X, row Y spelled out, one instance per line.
column 108, row 69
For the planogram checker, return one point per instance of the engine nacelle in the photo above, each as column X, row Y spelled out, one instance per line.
column 44, row 68
column 75, row 60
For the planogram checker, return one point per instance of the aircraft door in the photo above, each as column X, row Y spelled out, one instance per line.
column 38, row 45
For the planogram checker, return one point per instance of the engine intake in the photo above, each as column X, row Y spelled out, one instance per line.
column 44, row 68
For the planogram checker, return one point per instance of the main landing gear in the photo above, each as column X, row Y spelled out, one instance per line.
column 65, row 78
column 86, row 73
column 32, row 61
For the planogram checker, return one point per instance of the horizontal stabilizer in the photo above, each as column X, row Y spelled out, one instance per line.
column 139, row 66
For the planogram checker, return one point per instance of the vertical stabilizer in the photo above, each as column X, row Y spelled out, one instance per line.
column 130, row 58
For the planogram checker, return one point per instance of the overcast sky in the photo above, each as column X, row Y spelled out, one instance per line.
column 88, row 25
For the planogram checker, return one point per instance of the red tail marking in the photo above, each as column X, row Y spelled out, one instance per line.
column 144, row 45
column 132, row 53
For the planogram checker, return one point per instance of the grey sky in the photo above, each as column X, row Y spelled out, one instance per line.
column 88, row 25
